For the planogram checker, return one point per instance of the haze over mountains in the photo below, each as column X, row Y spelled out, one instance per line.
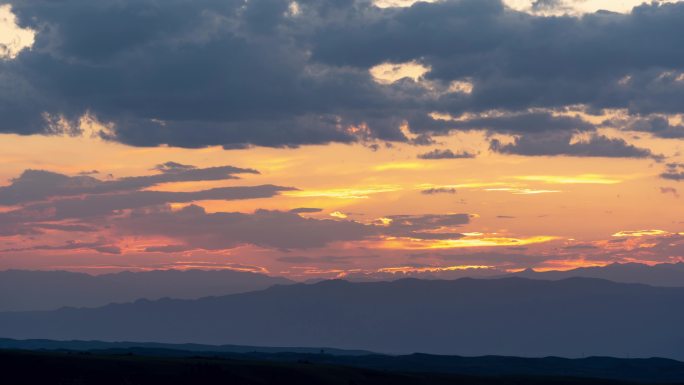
column 664, row 274
column 511, row 316
column 22, row 290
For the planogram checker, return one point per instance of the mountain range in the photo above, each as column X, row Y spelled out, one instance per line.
column 663, row 274
column 23, row 290
column 510, row 316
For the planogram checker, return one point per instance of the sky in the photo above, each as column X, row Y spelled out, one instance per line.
column 338, row 138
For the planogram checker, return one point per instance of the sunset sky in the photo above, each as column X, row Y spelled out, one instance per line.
column 327, row 138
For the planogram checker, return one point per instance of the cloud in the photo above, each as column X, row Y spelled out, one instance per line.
column 37, row 185
column 13, row 38
column 543, row 5
column 561, row 143
column 52, row 201
column 167, row 249
column 323, row 260
column 99, row 246
column 223, row 230
column 670, row 190
column 65, row 227
column 446, row 154
column 107, row 204
column 194, row 228
column 581, row 247
column 657, row 125
column 234, row 74
column 438, row 190
column 306, row 210
column 673, row 171
column 503, row 122
column 125, row 207
column 424, row 226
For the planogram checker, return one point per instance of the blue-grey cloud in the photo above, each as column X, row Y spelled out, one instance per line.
column 673, row 171
column 446, row 154
column 209, row 72
column 438, row 190
column 561, row 143
column 223, row 230
column 36, row 185
column 99, row 246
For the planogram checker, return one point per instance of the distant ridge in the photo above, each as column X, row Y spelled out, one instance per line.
column 664, row 274
column 8, row 343
column 512, row 316
column 25, row 290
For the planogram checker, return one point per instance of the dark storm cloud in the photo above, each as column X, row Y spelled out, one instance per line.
column 35, row 185
column 657, row 125
column 516, row 60
column 561, row 143
column 234, row 73
column 446, row 154
column 525, row 122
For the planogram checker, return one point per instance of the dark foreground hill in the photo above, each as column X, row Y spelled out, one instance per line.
column 23, row 290
column 638, row 370
column 513, row 316
column 20, row 368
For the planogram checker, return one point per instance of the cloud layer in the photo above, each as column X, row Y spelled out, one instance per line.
column 265, row 72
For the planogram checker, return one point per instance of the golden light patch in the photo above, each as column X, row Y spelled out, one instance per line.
column 430, row 269
column 577, row 179
column 338, row 214
column 388, row 73
column 486, row 241
column 343, row 193
column 397, row 3
column 13, row 39
column 458, row 86
column 522, row 191
column 569, row 264
column 385, row 221
column 402, row 166
column 640, row 233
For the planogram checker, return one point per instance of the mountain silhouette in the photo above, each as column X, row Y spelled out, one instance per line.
column 511, row 316
column 23, row 290
column 663, row 274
